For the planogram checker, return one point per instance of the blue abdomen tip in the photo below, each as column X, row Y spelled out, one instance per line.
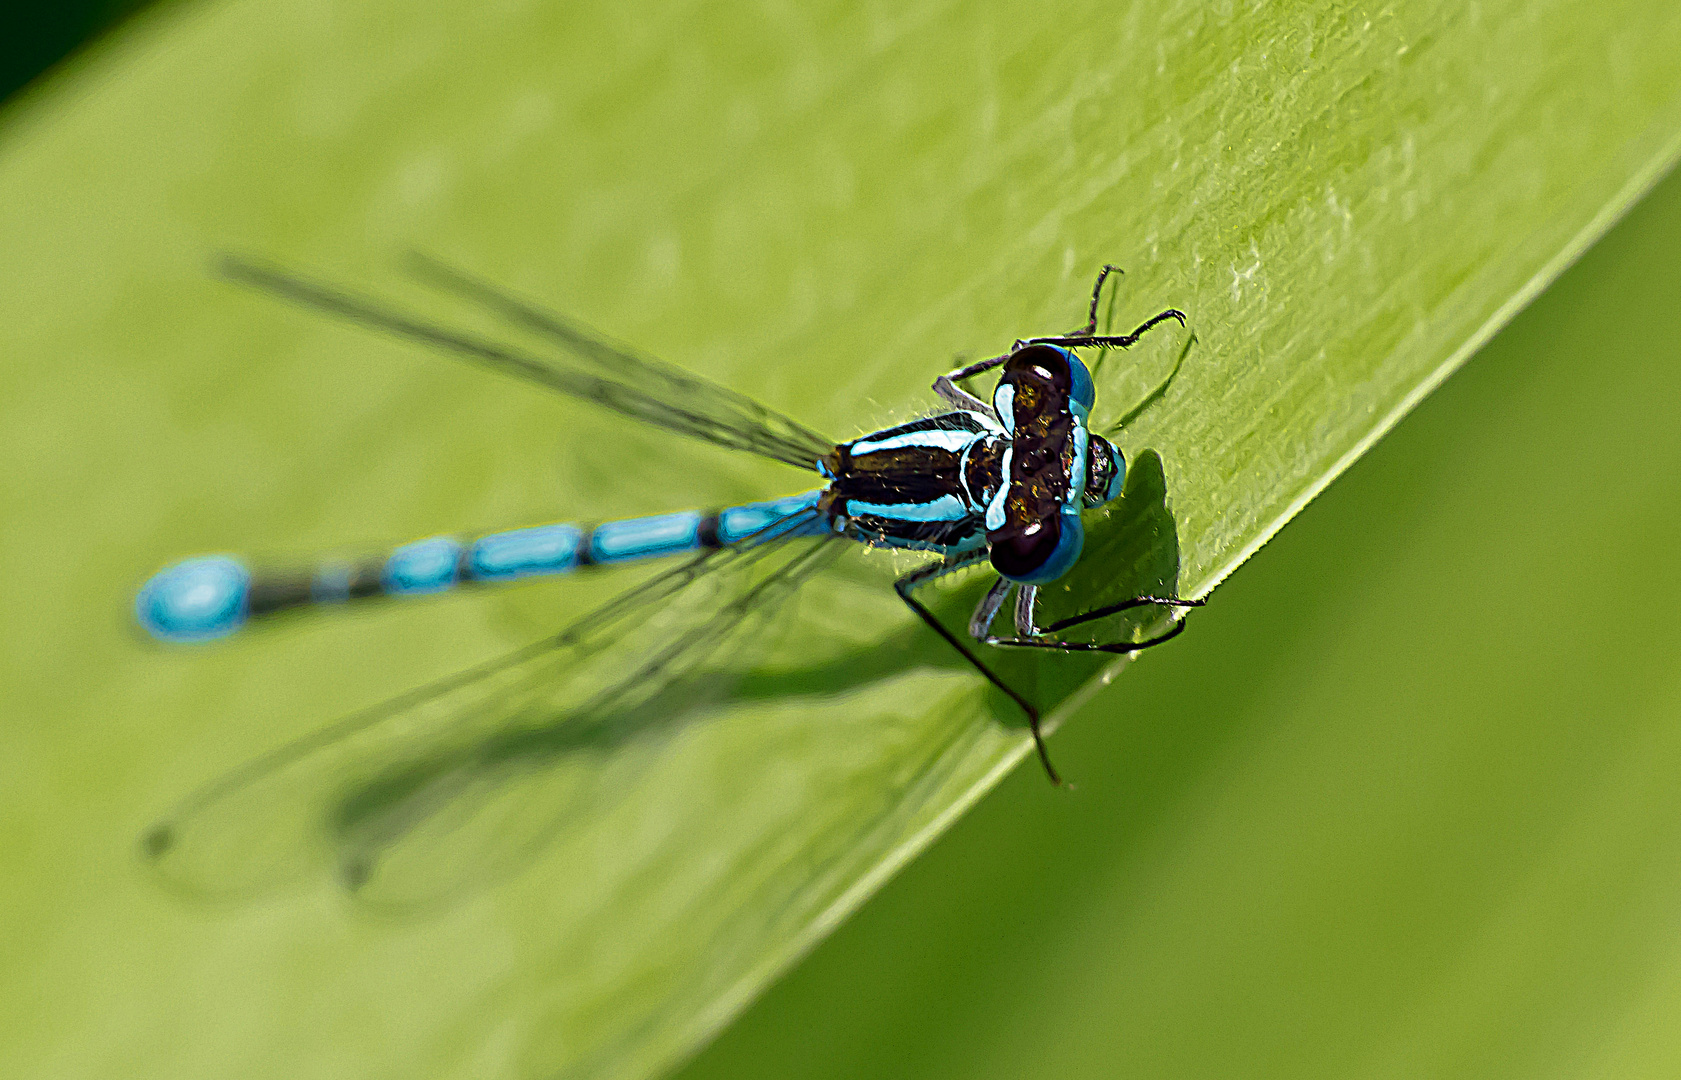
column 195, row 600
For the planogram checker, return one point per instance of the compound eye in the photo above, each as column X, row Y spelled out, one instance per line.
column 1080, row 390
column 1045, row 363
column 1038, row 382
column 1106, row 471
column 1117, row 479
column 1019, row 556
column 1042, row 552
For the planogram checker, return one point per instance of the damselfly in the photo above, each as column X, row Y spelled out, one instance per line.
column 1002, row 482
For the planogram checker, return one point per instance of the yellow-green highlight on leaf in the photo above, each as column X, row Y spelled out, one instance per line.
column 818, row 206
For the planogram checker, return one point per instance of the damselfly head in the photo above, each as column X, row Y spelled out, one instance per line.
column 1043, row 398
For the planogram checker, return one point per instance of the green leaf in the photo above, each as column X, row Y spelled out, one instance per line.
column 818, row 207
column 1403, row 805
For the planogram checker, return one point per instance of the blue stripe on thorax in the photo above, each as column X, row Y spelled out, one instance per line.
column 995, row 509
column 944, row 508
column 955, row 440
column 950, row 431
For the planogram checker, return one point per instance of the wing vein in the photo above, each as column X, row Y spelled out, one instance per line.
column 685, row 404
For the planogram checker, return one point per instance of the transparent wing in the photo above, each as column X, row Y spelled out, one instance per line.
column 439, row 790
column 625, row 382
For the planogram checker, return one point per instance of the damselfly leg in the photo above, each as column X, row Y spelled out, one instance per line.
column 1079, row 341
column 1032, row 636
column 1085, row 337
column 1088, row 335
column 1096, row 293
column 924, row 574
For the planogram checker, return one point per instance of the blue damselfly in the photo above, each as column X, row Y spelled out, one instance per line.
column 1000, row 481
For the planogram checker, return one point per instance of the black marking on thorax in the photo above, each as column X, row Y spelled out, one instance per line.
column 914, row 473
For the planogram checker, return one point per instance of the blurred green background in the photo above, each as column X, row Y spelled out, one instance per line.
column 1403, row 802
